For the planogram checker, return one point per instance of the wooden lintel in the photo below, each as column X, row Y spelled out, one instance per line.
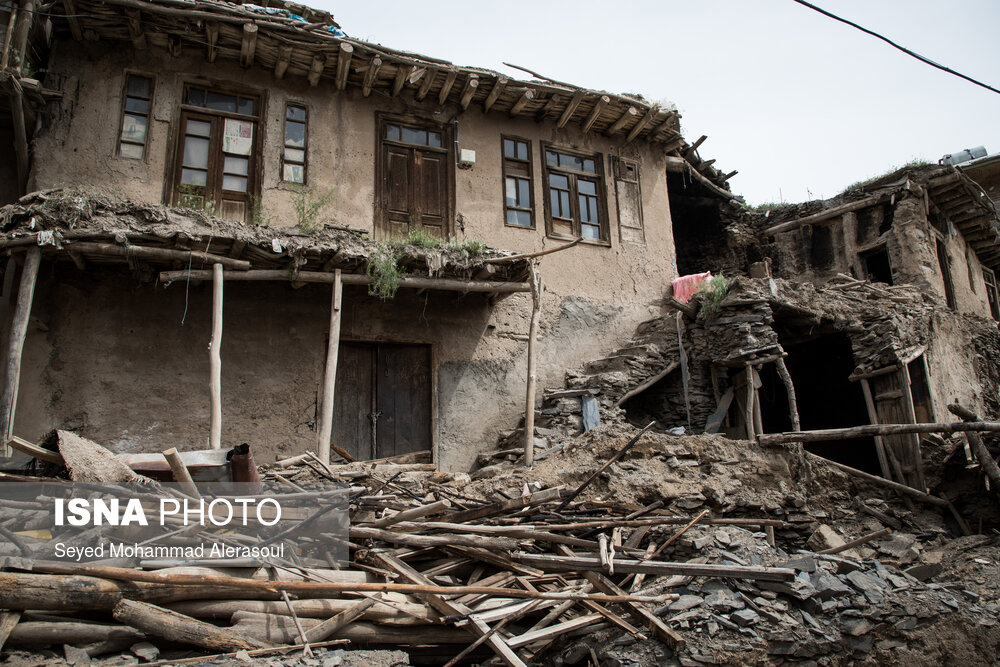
column 622, row 121
column 595, row 113
column 495, row 93
column 371, row 75
column 425, row 85
column 344, row 64
column 693, row 147
column 281, row 63
column 211, row 39
column 399, row 81
column 248, row 47
column 135, row 31
column 571, row 108
column 642, row 124
column 316, row 69
column 522, row 101
column 69, row 7
column 471, row 84
column 449, row 83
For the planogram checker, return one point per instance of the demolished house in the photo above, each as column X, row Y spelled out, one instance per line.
column 230, row 223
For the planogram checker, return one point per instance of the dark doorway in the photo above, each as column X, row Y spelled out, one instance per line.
column 699, row 231
column 820, row 367
column 877, row 266
column 382, row 405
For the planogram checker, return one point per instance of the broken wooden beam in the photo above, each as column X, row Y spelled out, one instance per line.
column 872, row 430
column 165, row 254
column 180, row 628
column 978, row 448
column 15, row 342
column 631, row 566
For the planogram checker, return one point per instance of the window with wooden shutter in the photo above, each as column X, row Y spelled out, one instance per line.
column 137, row 100
column 628, row 194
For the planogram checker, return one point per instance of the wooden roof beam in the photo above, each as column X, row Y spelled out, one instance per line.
column 522, row 101
column 623, row 120
column 316, row 69
column 211, row 40
column 730, row 175
column 643, row 123
column 571, row 108
column 425, row 86
column 595, row 113
column 449, row 82
column 344, row 64
column 550, row 104
column 399, row 80
column 495, row 93
column 371, row 75
column 281, row 64
column 69, row 7
column 693, row 147
column 135, row 31
column 248, row 47
column 469, row 91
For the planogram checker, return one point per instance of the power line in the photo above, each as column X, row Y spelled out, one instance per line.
column 897, row 46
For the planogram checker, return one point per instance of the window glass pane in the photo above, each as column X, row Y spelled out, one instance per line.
column 295, row 134
column 586, row 187
column 199, row 128
column 584, row 210
column 392, row 132
column 511, row 191
column 590, row 231
column 414, row 136
column 220, row 101
column 522, row 150
column 519, row 218
column 295, row 113
column 236, row 165
column 131, row 151
column 196, row 152
column 522, row 195
column 196, row 97
column 508, row 148
column 137, row 105
column 246, row 106
column 295, row 155
column 594, row 215
column 194, row 177
column 564, row 205
column 559, row 181
column 237, row 136
column 434, row 139
column 134, row 128
column 554, row 203
column 294, row 173
column 589, row 165
column 551, row 158
column 234, row 183
column 138, row 86
column 570, row 161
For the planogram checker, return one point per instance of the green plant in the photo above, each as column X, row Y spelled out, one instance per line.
column 310, row 204
column 191, row 197
column 258, row 214
column 418, row 237
column 766, row 206
column 713, row 291
column 468, row 247
column 912, row 164
column 384, row 270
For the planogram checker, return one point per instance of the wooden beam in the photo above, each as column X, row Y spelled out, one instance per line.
column 730, row 175
column 249, row 45
column 595, row 113
column 400, row 79
column 428, row 79
column 529, row 395
column 875, row 429
column 547, row 108
column 522, row 101
column 495, row 92
column 344, row 64
column 22, row 30
column 693, row 147
column 642, row 124
column 330, row 374
column 281, row 64
column 166, row 254
column 215, row 359
column 445, row 284
column 828, row 213
column 21, row 155
column 634, row 566
column 622, row 121
column 69, row 8
column 15, row 343
column 468, row 91
column 8, row 36
column 571, row 108
column 135, row 31
column 371, row 75
column 175, row 45
column 211, row 39
column 316, row 69
column 449, row 83
column 910, row 412
column 180, row 473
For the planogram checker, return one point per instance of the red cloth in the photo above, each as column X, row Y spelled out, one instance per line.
column 686, row 286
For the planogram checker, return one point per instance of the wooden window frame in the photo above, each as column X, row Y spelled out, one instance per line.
column 121, row 116
column 619, row 171
column 508, row 165
column 602, row 195
column 305, row 144
column 991, row 288
column 447, row 148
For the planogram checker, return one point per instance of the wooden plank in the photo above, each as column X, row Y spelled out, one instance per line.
column 506, row 506
column 403, row 399
column 15, row 342
column 355, row 391
column 529, row 393
column 215, row 359
column 916, row 454
column 330, row 374
column 554, row 630
column 631, row 566
column 180, row 472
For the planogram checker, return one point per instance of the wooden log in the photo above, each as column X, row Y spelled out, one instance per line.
column 180, row 472
column 449, row 81
column 8, row 621
column 911, row 417
column 444, row 284
column 571, row 108
column 344, row 64
column 281, row 630
column 469, row 91
column 554, row 630
column 330, row 374
column 506, row 506
column 875, row 429
column 529, row 393
column 864, row 539
column 978, row 448
column 282, row 61
column 162, row 254
column 531, row 255
column 374, row 65
column 786, row 379
column 180, row 628
column 15, row 343
column 622, row 121
column 495, row 92
column 329, row 627
column 599, row 105
column 593, row 564
column 620, row 453
column 827, row 214
column 31, row 449
column 215, row 359
column 248, row 46
column 411, row 514
column 522, row 102
column 423, row 541
column 396, row 613
column 55, row 633
column 22, row 30
column 316, row 69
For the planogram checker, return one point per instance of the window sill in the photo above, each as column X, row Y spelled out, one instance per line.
column 587, row 241
column 510, row 226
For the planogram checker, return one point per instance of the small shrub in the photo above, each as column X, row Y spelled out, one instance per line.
column 713, row 291
column 258, row 215
column 310, row 204
column 384, row 270
column 419, row 238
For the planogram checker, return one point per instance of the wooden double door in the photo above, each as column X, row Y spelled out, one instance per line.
column 383, row 404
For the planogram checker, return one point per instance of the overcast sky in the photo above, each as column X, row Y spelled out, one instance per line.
column 800, row 104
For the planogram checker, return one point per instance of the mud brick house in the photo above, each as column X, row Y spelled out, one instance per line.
column 161, row 139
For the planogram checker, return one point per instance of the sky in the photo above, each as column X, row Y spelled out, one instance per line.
column 802, row 105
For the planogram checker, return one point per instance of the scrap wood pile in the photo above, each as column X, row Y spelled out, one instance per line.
column 519, row 569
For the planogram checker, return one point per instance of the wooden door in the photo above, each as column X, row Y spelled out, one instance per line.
column 382, row 405
column 890, row 393
column 414, row 175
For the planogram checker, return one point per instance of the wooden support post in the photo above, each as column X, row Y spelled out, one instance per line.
column 330, row 376
column 911, row 417
column 215, row 358
column 529, row 395
column 22, row 30
column 883, row 461
column 786, row 378
column 15, row 344
column 180, row 472
column 11, row 22
column 748, row 402
column 21, row 154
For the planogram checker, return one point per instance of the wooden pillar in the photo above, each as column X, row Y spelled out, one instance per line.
column 15, row 344
column 22, row 31
column 749, row 401
column 793, row 406
column 911, row 417
column 330, row 375
column 883, row 460
column 215, row 358
column 529, row 394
